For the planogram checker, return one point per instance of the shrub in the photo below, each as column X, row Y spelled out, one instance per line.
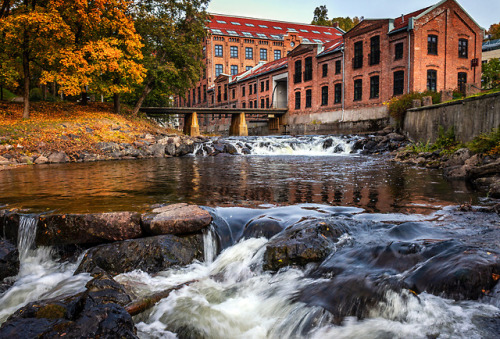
column 488, row 143
column 399, row 105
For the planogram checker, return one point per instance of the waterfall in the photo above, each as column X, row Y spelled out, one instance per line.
column 26, row 235
column 209, row 244
column 286, row 145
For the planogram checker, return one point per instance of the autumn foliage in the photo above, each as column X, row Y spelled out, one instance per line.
column 67, row 127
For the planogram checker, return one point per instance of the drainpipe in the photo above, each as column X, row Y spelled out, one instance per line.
column 343, row 82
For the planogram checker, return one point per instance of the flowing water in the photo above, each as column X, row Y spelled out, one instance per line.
column 286, row 181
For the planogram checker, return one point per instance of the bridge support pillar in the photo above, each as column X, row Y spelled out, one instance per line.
column 274, row 124
column 238, row 125
column 191, row 126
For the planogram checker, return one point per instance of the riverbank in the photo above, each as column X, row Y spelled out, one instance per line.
column 67, row 132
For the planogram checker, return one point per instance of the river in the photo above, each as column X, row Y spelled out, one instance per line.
column 288, row 180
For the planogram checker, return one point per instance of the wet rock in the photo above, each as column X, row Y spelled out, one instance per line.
column 184, row 149
column 97, row 228
column 176, row 219
column 151, row 254
column 219, row 148
column 41, row 160
column 4, row 161
column 262, row 227
column 157, row 150
column 339, row 149
column 9, row 260
column 328, row 143
column 395, row 137
column 305, row 242
column 458, row 158
column 456, row 271
column 58, row 157
column 9, row 225
column 96, row 313
column 492, row 168
column 231, row 149
column 245, row 151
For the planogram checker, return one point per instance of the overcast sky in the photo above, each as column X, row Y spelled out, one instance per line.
column 485, row 12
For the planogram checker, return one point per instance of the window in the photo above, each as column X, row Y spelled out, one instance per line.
column 218, row 50
column 308, row 69
column 308, row 98
column 298, row 72
column 462, row 80
column 199, row 94
column 375, row 50
column 262, row 103
column 225, row 92
column 297, row 100
column 358, row 89
column 432, row 44
column 324, row 95
column 204, row 93
column 243, row 88
column 255, row 89
column 248, row 52
column 374, row 87
column 463, row 48
column 432, row 80
column 267, row 102
column 399, row 82
column 255, row 104
column 234, row 69
column 218, row 70
column 235, row 23
column 338, row 67
column 233, row 93
column 262, row 35
column 262, row 86
column 250, row 25
column 398, row 51
column 338, row 93
column 267, row 85
column 194, row 96
column 263, row 26
column 248, row 68
column 248, row 34
column 244, row 105
column 277, row 54
column 233, row 51
column 219, row 94
column 251, row 104
column 357, row 61
column 250, row 90
column 263, row 54
column 325, row 70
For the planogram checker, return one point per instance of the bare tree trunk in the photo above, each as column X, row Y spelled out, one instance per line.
column 44, row 92
column 142, row 305
column 146, row 90
column 26, row 70
column 84, row 98
column 116, row 103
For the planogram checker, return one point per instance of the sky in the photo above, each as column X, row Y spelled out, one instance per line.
column 485, row 12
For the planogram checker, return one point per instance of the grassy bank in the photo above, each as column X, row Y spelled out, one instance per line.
column 67, row 127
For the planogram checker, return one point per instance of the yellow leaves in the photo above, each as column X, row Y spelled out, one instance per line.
column 495, row 276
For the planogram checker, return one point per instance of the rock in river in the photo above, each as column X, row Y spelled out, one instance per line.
column 151, row 254
column 304, row 242
column 98, row 228
column 9, row 260
column 96, row 313
column 176, row 219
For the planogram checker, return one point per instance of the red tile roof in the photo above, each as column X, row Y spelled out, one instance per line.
column 269, row 29
column 400, row 23
column 266, row 68
column 331, row 46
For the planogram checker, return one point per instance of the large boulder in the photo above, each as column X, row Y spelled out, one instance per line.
column 456, row 271
column 262, row 227
column 58, row 157
column 62, row 229
column 96, row 313
column 9, row 260
column 9, row 225
column 150, row 255
column 302, row 243
column 176, row 219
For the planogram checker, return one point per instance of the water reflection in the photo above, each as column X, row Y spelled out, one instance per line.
column 367, row 182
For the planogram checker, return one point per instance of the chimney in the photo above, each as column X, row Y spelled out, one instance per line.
column 402, row 18
column 335, row 24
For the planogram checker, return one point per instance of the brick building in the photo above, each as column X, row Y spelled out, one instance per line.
column 323, row 75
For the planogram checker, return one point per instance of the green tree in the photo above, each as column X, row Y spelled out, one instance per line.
column 346, row 23
column 172, row 33
column 321, row 16
column 491, row 74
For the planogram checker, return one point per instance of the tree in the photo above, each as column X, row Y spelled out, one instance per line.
column 491, row 74
column 346, row 23
column 172, row 33
column 494, row 31
column 321, row 16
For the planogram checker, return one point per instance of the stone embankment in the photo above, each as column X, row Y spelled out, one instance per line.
column 148, row 146
column 483, row 171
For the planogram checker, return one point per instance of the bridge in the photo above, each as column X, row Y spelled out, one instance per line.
column 238, row 127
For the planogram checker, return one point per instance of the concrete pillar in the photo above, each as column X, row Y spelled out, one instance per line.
column 191, row 126
column 416, row 103
column 446, row 95
column 427, row 101
column 471, row 89
column 238, row 125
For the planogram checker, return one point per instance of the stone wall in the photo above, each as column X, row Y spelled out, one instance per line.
column 469, row 117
